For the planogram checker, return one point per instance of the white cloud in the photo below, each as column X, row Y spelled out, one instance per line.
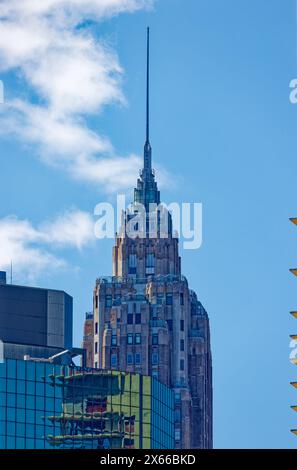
column 73, row 74
column 71, row 10
column 32, row 248
column 74, row 228
column 69, row 145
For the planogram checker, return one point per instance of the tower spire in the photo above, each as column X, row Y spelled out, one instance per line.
column 148, row 87
column 147, row 146
column 147, row 190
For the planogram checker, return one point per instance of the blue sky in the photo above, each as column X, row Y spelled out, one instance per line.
column 222, row 127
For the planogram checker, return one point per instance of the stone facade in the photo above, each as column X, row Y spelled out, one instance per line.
column 147, row 320
column 88, row 338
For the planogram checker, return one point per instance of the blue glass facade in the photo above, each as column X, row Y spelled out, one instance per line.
column 162, row 415
column 44, row 406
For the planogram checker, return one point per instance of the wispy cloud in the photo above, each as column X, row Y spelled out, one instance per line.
column 35, row 249
column 72, row 74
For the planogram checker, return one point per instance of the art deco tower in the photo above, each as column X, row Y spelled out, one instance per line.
column 147, row 320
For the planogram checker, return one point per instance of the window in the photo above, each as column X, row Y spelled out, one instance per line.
column 114, row 360
column 177, row 434
column 182, row 344
column 177, row 397
column 155, row 359
column 114, row 340
column 138, row 338
column 129, row 359
column 182, row 298
column 137, row 359
column 149, row 270
column 150, row 263
column 150, row 260
column 154, row 312
column 96, row 328
column 108, row 301
column 130, row 318
column 155, row 339
column 96, row 365
column 169, row 299
column 169, row 323
column 182, row 325
column 132, row 261
column 177, row 414
column 96, row 347
column 182, row 364
column 118, row 299
column 155, row 374
column 138, row 318
column 160, row 299
column 96, row 301
column 132, row 264
column 20, row 401
column 129, row 338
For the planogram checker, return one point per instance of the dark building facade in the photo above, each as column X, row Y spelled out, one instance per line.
column 88, row 338
column 34, row 321
column 147, row 320
column 49, row 406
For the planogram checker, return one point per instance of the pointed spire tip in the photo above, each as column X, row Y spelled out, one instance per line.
column 148, row 86
column 147, row 167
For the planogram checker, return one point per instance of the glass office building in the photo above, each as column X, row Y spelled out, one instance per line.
column 45, row 405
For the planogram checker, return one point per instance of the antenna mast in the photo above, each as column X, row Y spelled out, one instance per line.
column 148, row 87
column 147, row 170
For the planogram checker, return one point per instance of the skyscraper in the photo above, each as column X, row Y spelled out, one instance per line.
column 146, row 319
